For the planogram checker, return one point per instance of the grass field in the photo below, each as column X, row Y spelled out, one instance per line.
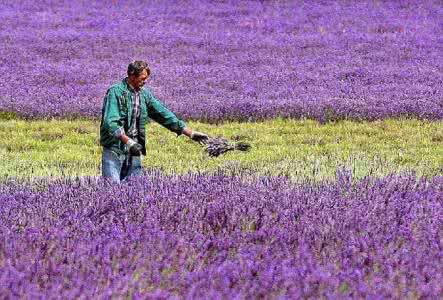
column 299, row 149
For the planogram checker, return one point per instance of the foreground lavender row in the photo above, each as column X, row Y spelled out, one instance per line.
column 220, row 237
column 219, row 61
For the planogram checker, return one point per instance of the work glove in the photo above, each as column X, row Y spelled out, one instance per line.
column 135, row 149
column 199, row 137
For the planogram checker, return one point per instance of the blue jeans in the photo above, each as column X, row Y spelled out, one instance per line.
column 119, row 167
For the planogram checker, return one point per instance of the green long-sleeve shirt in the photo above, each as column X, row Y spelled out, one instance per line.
column 117, row 113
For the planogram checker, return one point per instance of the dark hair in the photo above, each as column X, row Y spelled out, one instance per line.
column 137, row 66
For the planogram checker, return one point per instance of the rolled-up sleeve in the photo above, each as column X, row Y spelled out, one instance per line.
column 159, row 113
column 111, row 115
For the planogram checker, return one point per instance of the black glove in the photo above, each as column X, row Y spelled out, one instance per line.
column 199, row 137
column 135, row 149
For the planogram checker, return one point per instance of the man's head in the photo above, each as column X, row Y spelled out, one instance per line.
column 138, row 72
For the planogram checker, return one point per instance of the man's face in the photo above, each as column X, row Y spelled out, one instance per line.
column 138, row 81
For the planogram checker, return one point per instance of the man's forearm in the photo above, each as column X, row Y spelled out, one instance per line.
column 135, row 149
column 124, row 138
column 121, row 135
column 186, row 131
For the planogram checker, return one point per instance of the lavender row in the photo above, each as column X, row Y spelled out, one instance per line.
column 219, row 61
column 221, row 237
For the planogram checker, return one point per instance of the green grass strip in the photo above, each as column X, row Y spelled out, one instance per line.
column 299, row 149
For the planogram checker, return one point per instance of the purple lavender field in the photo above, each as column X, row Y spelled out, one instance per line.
column 220, row 237
column 217, row 61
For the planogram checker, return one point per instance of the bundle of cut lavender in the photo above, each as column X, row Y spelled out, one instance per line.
column 218, row 145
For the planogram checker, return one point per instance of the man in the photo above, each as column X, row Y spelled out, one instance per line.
column 126, row 109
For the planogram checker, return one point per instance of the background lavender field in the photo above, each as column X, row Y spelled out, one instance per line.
column 216, row 61
column 223, row 237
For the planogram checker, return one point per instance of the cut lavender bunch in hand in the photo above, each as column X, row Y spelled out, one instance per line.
column 218, row 145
